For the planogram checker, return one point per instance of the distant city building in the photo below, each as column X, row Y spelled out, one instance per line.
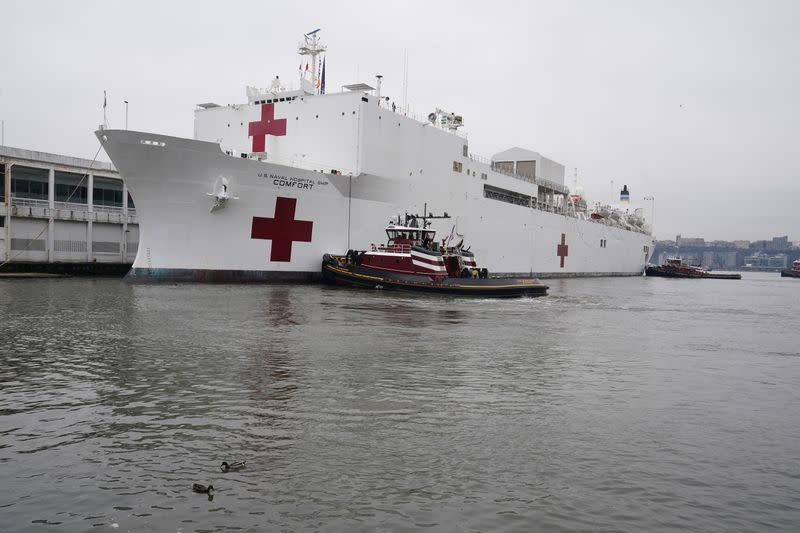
column 689, row 241
column 720, row 260
column 64, row 212
column 761, row 260
column 721, row 244
column 778, row 244
column 779, row 261
column 774, row 254
column 756, row 260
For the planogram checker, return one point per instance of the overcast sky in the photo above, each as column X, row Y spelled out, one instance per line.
column 696, row 103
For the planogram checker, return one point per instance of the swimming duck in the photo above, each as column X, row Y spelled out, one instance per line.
column 235, row 465
column 197, row 487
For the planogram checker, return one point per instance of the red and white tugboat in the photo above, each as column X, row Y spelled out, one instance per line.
column 675, row 267
column 793, row 272
column 413, row 260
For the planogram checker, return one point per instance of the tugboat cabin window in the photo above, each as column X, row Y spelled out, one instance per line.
column 414, row 235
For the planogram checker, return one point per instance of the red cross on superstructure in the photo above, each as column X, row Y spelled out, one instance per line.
column 562, row 250
column 282, row 230
column 268, row 125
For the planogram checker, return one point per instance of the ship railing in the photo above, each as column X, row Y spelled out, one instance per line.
column 480, row 159
column 392, row 248
column 406, row 112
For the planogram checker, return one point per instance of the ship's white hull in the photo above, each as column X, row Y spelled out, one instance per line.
column 172, row 180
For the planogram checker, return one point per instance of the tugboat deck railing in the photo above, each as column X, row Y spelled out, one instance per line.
column 392, row 248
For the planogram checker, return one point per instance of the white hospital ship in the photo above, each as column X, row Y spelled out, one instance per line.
column 266, row 188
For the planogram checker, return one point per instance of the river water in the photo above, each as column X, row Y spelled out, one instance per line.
column 614, row 404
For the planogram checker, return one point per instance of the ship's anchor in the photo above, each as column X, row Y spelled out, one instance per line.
column 221, row 197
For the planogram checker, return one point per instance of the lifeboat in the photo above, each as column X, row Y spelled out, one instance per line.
column 675, row 267
column 413, row 260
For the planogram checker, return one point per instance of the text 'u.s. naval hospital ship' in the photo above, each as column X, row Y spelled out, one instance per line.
column 266, row 188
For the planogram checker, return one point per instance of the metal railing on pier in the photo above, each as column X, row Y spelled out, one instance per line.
column 38, row 208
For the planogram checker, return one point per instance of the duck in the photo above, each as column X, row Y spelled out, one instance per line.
column 203, row 489
column 234, row 465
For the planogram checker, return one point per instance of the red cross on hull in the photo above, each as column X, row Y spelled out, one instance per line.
column 268, row 125
column 562, row 250
column 282, row 230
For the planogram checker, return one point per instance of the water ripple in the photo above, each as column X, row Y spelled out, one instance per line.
column 613, row 404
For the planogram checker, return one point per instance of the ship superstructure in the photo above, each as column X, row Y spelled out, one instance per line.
column 267, row 187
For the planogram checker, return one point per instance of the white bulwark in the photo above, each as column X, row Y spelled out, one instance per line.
column 64, row 214
column 268, row 186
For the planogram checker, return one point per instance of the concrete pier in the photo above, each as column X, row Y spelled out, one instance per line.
column 64, row 214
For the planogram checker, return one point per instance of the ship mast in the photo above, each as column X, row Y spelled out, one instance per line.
column 311, row 47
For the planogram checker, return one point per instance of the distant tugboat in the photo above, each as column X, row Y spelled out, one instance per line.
column 412, row 260
column 674, row 267
column 793, row 272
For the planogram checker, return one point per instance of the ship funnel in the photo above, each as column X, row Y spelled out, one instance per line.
column 378, row 90
column 624, row 195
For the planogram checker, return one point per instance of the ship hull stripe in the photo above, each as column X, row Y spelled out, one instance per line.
column 434, row 268
column 427, row 259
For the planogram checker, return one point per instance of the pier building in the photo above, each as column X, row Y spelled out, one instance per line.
column 64, row 214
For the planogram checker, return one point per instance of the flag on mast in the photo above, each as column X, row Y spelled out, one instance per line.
column 322, row 85
column 451, row 236
column 105, row 102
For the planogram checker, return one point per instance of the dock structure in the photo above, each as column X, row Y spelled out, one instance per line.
column 64, row 214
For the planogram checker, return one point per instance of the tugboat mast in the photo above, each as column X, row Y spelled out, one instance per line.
column 424, row 217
